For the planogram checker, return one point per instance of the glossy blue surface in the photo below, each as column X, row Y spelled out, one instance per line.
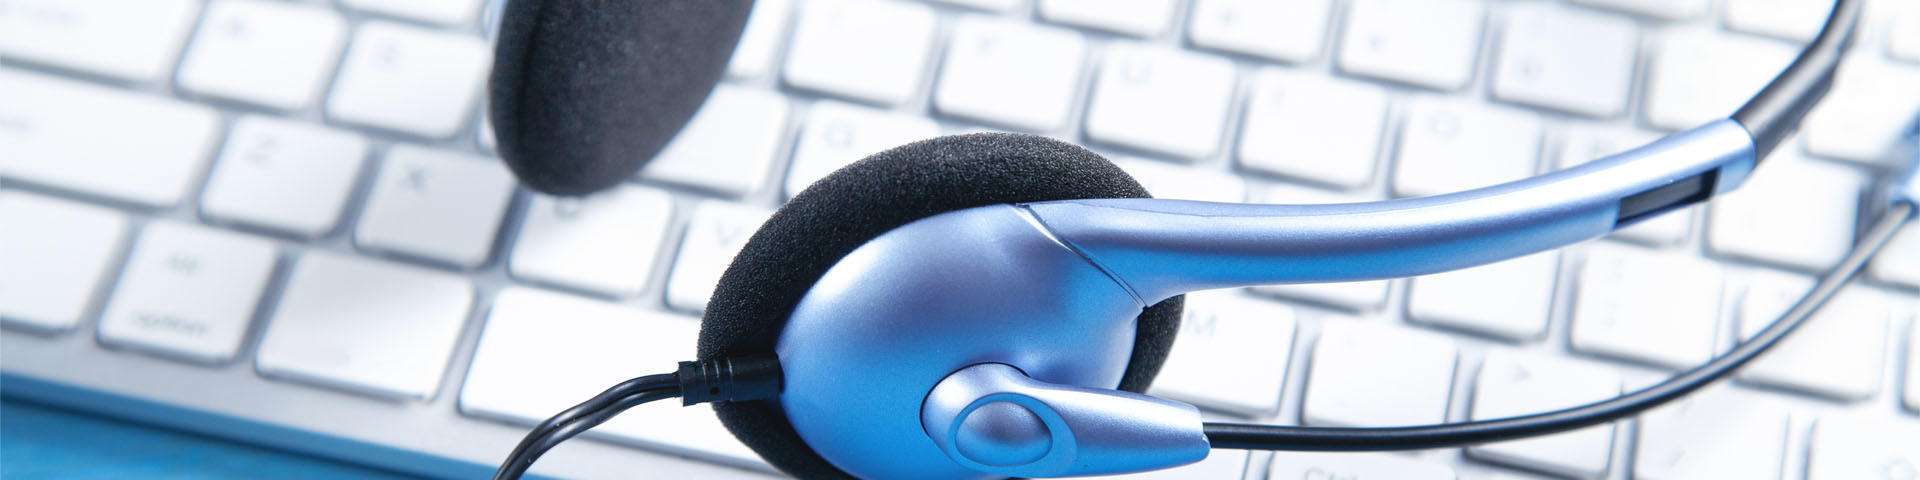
column 991, row 417
column 102, row 405
column 37, row 441
column 900, row 313
column 1162, row 248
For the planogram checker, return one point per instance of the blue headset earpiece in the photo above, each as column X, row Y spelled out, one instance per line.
column 1018, row 317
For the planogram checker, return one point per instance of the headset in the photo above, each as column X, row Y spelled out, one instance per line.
column 993, row 305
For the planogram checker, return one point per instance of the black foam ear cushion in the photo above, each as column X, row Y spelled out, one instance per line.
column 584, row 92
column 857, row 203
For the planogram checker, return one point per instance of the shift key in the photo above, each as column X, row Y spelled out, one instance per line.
column 77, row 136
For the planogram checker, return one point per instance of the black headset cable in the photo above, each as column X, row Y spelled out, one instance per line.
column 1339, row 439
column 725, row 379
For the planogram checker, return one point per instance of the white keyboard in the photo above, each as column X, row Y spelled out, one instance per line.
column 281, row 222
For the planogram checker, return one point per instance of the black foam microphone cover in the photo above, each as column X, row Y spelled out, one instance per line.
column 584, row 92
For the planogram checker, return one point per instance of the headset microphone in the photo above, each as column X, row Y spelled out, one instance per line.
column 992, row 305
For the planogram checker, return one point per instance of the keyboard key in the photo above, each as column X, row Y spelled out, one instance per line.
column 1331, row 466
column 134, row 40
column 1858, row 447
column 1165, row 180
column 1795, row 20
column 1354, row 362
column 1219, row 464
column 1583, row 144
column 1567, row 59
column 714, row 235
column 837, row 134
column 1663, row 9
column 1903, row 35
column 1288, row 31
column 1838, row 354
column 1715, row 433
column 1002, row 6
column 873, row 51
column 484, row 132
column 284, row 175
column 1422, row 42
column 1913, row 367
column 1448, row 145
column 1698, row 75
column 409, row 80
column 1658, row 307
column 1313, row 128
column 1160, row 100
column 52, row 132
column 1899, row 261
column 188, row 291
column 445, row 12
column 1509, row 299
column 603, row 243
column 1665, row 230
column 729, row 145
column 366, row 326
column 530, row 334
column 265, row 53
column 1010, row 73
column 437, row 205
column 1357, row 296
column 1363, row 295
column 760, row 43
column 1793, row 212
column 1510, row 475
column 1512, row 384
column 1140, row 18
column 1872, row 103
column 1225, row 328
column 56, row 253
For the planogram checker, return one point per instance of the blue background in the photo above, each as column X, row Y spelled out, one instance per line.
column 39, row 441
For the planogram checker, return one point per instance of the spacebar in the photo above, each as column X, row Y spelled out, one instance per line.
column 543, row 352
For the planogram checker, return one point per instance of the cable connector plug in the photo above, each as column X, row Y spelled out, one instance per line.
column 729, row 379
